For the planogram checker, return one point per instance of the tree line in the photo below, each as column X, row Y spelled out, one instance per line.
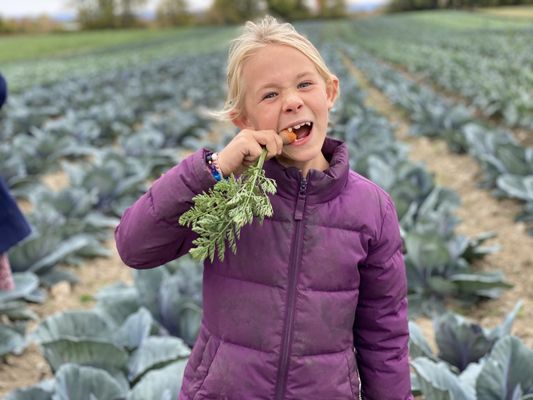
column 413, row 5
column 102, row 14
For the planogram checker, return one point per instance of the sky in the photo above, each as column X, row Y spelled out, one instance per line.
column 20, row 8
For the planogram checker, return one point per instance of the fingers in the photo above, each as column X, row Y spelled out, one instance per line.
column 246, row 147
column 271, row 140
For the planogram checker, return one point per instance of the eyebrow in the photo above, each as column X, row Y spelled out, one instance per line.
column 274, row 84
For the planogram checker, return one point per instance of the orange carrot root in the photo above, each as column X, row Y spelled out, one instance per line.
column 288, row 137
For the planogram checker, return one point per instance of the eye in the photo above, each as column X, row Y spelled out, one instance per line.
column 304, row 84
column 269, row 95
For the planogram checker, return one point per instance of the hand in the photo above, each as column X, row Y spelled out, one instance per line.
column 6, row 278
column 246, row 147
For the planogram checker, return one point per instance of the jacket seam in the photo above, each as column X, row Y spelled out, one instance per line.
column 361, row 231
column 244, row 346
column 195, row 171
column 247, row 281
column 349, row 375
column 330, row 353
column 328, row 291
column 156, row 215
column 233, row 343
column 387, row 210
column 208, row 369
column 384, row 263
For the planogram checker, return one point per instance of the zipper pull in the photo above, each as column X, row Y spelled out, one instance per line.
column 300, row 202
column 303, row 187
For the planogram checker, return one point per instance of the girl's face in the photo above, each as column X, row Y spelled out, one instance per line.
column 283, row 89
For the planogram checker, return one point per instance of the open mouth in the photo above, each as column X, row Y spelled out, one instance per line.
column 302, row 130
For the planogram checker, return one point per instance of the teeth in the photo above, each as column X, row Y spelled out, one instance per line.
column 308, row 123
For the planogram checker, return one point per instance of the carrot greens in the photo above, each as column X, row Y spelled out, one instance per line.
column 218, row 215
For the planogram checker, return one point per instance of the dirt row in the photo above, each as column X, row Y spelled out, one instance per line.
column 479, row 212
column 522, row 135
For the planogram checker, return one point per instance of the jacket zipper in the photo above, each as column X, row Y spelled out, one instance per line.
column 291, row 297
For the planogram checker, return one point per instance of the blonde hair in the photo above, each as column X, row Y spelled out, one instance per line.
column 254, row 37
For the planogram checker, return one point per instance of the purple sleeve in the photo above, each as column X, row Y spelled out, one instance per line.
column 149, row 234
column 381, row 332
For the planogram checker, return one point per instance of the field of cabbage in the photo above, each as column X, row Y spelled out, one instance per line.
column 488, row 61
column 84, row 134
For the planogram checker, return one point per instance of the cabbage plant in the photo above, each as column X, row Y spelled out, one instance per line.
column 505, row 373
column 93, row 357
column 133, row 344
column 473, row 363
column 116, row 182
column 520, row 187
column 14, row 312
column 435, row 273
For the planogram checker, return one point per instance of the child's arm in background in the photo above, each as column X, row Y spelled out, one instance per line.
column 381, row 332
column 149, row 233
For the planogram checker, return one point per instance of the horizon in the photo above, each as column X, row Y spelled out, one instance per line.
column 60, row 9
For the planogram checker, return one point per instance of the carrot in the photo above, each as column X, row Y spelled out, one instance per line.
column 287, row 136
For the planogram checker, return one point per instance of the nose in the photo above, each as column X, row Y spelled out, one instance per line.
column 292, row 102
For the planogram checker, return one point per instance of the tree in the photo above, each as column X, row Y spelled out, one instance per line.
column 235, row 11
column 331, row 8
column 105, row 14
column 95, row 14
column 126, row 12
column 288, row 9
column 100, row 14
column 173, row 13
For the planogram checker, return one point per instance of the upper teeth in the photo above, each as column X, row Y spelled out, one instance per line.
column 299, row 126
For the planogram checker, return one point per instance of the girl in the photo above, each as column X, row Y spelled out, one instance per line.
column 313, row 305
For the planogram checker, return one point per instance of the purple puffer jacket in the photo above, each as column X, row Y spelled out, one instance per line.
column 281, row 319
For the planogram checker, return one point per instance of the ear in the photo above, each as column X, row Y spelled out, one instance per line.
column 240, row 121
column 332, row 90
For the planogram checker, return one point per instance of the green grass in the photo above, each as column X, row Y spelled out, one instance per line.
column 462, row 20
column 104, row 53
column 513, row 12
column 30, row 47
column 86, row 298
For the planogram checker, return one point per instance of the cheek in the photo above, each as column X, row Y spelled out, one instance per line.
column 266, row 117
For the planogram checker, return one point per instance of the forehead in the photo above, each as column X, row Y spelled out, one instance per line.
column 275, row 64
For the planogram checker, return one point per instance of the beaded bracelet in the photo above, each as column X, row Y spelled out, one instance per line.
column 211, row 160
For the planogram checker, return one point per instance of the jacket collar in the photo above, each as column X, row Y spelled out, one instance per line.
column 322, row 186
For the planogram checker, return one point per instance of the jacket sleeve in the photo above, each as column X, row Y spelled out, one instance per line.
column 149, row 233
column 381, row 332
column 13, row 225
